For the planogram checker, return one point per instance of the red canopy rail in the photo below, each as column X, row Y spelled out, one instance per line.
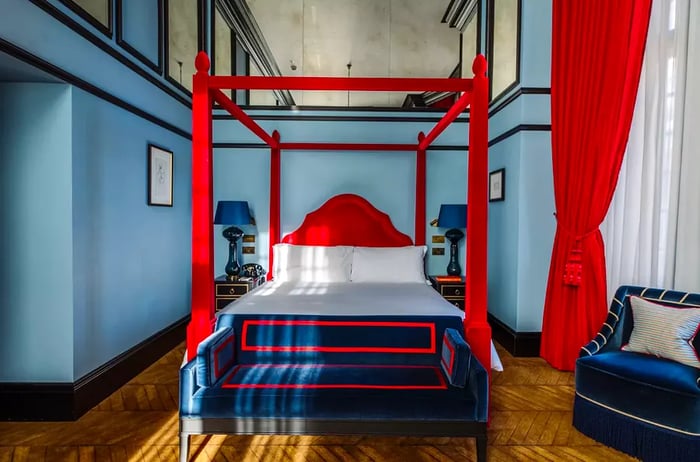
column 206, row 90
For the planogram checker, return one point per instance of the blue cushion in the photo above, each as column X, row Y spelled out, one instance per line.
column 215, row 356
column 655, row 390
column 455, row 357
column 362, row 403
column 648, row 369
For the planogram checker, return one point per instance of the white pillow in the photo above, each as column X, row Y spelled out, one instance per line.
column 388, row 264
column 664, row 331
column 310, row 263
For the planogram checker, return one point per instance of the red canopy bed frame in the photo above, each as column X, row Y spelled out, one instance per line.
column 208, row 89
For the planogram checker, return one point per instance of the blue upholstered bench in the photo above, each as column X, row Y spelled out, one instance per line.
column 253, row 376
column 641, row 404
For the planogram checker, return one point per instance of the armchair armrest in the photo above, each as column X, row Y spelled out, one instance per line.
column 616, row 329
column 215, row 356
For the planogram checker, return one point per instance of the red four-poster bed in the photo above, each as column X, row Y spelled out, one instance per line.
column 412, row 371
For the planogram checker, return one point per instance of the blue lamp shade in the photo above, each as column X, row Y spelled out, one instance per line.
column 452, row 216
column 232, row 213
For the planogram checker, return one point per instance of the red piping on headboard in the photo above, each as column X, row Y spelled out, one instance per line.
column 347, row 219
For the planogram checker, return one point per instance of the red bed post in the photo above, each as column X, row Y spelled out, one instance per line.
column 477, row 330
column 419, row 234
column 274, row 231
column 200, row 325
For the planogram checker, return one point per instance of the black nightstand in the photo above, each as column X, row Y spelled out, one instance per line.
column 453, row 292
column 227, row 291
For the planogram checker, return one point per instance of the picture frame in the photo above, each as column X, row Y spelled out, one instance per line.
column 497, row 185
column 160, row 176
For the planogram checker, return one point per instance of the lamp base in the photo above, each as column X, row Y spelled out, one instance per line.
column 454, row 235
column 233, row 269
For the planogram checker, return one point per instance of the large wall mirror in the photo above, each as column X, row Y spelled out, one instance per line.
column 223, row 47
column 470, row 42
column 183, row 19
column 96, row 12
column 504, row 45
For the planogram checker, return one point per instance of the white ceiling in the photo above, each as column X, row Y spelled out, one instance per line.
column 379, row 38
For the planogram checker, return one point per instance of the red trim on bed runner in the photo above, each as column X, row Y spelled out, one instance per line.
column 218, row 369
column 348, row 219
column 452, row 358
column 429, row 325
column 442, row 385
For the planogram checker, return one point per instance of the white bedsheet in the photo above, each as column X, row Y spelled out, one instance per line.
column 348, row 299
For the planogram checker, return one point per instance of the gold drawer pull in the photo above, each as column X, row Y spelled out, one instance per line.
column 457, row 305
column 232, row 291
column 458, row 292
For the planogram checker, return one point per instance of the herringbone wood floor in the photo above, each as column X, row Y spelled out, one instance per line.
column 531, row 420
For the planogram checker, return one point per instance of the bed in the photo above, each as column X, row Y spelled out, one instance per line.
column 335, row 344
column 348, row 367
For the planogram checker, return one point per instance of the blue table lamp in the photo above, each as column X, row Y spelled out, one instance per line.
column 232, row 213
column 453, row 216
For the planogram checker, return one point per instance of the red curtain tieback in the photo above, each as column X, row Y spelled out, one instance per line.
column 573, row 269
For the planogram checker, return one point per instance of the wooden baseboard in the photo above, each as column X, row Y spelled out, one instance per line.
column 69, row 401
column 519, row 344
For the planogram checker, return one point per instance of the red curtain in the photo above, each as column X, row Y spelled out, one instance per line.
column 597, row 52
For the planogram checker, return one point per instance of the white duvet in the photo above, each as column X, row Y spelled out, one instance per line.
column 348, row 299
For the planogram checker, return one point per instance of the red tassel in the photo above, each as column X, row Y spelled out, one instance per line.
column 573, row 269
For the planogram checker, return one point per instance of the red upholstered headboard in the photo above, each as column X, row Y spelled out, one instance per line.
column 347, row 219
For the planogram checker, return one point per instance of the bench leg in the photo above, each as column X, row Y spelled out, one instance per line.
column 481, row 448
column 184, row 447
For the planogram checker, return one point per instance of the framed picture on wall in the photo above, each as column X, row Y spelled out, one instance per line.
column 497, row 185
column 160, row 176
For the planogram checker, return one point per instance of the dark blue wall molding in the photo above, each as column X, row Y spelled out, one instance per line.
column 501, row 104
column 158, row 66
column 519, row 344
column 47, row 67
column 69, row 401
column 104, row 46
column 521, row 128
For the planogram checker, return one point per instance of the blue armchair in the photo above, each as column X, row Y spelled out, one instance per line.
column 640, row 404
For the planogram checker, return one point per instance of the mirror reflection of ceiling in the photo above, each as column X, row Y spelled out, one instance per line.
column 377, row 38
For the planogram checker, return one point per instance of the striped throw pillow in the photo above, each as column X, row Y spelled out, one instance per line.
column 664, row 331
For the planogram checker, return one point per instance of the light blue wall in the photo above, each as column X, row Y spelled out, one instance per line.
column 521, row 228
column 131, row 260
column 536, row 44
column 504, row 227
column 36, row 278
column 387, row 179
column 32, row 29
column 101, row 271
column 536, row 230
